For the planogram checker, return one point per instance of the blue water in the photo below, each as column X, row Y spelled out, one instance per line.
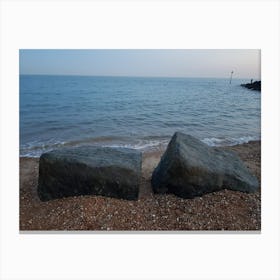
column 142, row 113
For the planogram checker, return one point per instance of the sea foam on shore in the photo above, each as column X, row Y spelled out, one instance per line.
column 144, row 145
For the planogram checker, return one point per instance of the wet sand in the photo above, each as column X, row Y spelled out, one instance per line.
column 223, row 210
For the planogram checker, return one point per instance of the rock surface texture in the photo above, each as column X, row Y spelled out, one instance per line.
column 190, row 168
column 112, row 172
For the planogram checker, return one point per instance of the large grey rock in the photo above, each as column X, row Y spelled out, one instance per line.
column 190, row 168
column 113, row 172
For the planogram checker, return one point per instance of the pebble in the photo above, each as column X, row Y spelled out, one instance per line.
column 224, row 210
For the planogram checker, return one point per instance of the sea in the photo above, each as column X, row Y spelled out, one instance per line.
column 135, row 112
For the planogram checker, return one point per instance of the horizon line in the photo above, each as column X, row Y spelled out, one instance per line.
column 125, row 76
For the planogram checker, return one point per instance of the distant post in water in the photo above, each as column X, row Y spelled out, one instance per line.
column 230, row 77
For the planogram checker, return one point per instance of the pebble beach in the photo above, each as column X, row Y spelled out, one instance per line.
column 222, row 210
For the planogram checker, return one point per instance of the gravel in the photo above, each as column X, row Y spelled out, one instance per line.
column 223, row 210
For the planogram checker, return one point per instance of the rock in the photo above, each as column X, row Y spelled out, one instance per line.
column 254, row 86
column 113, row 172
column 190, row 168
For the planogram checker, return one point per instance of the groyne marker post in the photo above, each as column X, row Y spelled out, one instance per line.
column 230, row 77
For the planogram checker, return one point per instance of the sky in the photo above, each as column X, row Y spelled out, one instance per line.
column 144, row 63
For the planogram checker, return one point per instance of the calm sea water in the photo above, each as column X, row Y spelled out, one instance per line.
column 142, row 113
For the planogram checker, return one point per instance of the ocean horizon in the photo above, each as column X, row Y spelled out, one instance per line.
column 135, row 112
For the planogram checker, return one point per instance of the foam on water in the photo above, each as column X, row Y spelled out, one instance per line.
column 229, row 141
column 142, row 145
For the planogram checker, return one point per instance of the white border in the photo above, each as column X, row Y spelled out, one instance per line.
column 155, row 24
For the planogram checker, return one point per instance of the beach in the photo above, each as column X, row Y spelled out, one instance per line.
column 223, row 210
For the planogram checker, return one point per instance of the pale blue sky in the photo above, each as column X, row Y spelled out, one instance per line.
column 147, row 63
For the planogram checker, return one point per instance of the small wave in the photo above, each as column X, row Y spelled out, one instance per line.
column 142, row 145
column 36, row 149
column 38, row 146
column 94, row 140
column 228, row 141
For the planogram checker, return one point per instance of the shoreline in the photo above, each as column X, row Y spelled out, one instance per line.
column 144, row 145
column 223, row 210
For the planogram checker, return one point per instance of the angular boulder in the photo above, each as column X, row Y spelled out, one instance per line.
column 112, row 172
column 190, row 168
